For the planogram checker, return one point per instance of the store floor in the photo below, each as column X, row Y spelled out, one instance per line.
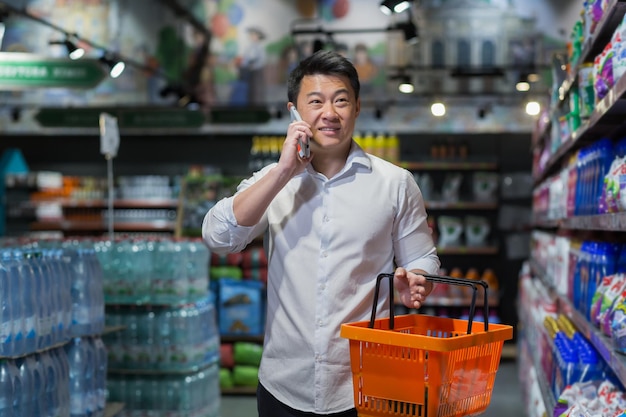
column 506, row 399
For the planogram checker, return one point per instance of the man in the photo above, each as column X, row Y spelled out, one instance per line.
column 333, row 222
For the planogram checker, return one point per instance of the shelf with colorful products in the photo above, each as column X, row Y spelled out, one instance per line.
column 572, row 205
column 238, row 282
column 575, row 98
column 49, row 201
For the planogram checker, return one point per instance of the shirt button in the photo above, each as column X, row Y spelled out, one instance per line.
column 320, row 323
column 324, row 254
column 326, row 219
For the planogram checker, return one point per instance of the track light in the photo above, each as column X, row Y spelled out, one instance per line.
column 116, row 67
column 533, row 108
column 409, row 30
column 406, row 86
column 73, row 51
column 394, row 6
column 438, row 109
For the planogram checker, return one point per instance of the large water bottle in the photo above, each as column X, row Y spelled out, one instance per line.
column 63, row 387
column 11, row 265
column 96, row 291
column 77, row 360
column 81, row 303
column 7, row 390
column 198, row 268
column 6, row 321
column 90, row 382
column 37, row 372
column 17, row 387
column 28, row 386
column 141, row 270
column 28, row 298
column 65, row 280
column 100, row 373
column 51, row 378
column 42, row 305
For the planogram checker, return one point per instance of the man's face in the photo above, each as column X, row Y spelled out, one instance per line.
column 329, row 105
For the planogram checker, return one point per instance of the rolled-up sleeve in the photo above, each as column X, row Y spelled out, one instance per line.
column 221, row 232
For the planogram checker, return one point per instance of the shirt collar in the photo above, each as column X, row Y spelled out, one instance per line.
column 356, row 157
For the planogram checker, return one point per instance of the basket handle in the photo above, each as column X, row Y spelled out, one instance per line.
column 439, row 279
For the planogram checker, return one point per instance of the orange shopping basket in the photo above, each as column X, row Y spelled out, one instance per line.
column 417, row 365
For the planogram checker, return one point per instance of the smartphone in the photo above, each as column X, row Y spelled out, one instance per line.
column 303, row 148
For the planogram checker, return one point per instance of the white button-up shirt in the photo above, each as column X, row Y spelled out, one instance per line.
column 326, row 241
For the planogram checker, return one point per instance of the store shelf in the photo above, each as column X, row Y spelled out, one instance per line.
column 462, row 205
column 605, row 119
column 602, row 343
column 147, row 203
column 460, row 301
column 467, row 250
column 448, row 165
column 611, row 222
column 100, row 226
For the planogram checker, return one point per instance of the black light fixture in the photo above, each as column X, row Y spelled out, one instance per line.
column 389, row 7
column 409, row 30
column 73, row 51
column 406, row 84
column 116, row 67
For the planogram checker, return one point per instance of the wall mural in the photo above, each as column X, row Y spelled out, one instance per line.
column 250, row 54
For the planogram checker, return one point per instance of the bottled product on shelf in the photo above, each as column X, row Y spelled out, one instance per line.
column 154, row 271
column 180, row 395
column 163, row 360
column 176, row 339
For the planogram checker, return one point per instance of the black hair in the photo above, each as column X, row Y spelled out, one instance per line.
column 323, row 62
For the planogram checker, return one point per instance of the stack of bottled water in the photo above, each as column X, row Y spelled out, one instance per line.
column 51, row 300
column 67, row 380
column 176, row 339
column 156, row 271
column 174, row 395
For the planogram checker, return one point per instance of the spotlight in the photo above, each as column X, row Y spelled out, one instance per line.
column 409, row 30
column 533, row 108
column 116, row 67
column 406, row 86
column 394, row 6
column 73, row 51
column 438, row 109
column 522, row 86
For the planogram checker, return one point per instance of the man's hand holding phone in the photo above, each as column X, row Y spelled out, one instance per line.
column 303, row 145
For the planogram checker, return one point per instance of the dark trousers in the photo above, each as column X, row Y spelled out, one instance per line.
column 269, row 406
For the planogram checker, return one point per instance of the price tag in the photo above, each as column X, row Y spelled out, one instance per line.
column 109, row 135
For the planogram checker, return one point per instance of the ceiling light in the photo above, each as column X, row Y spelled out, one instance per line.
column 533, row 108
column 522, row 86
column 409, row 30
column 73, row 51
column 438, row 109
column 406, row 86
column 116, row 67
column 394, row 6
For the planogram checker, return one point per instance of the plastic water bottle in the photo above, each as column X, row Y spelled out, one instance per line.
column 6, row 324
column 51, row 383
column 7, row 390
column 65, row 280
column 56, row 293
column 36, row 370
column 77, row 360
column 100, row 373
column 28, row 298
column 96, row 291
column 41, row 284
column 17, row 387
column 198, row 268
column 63, row 387
column 28, row 386
column 81, row 303
column 10, row 263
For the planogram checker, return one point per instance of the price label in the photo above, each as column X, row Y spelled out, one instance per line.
column 109, row 135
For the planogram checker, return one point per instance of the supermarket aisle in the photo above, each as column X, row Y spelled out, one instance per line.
column 506, row 398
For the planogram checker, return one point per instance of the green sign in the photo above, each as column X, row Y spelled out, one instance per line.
column 126, row 118
column 19, row 71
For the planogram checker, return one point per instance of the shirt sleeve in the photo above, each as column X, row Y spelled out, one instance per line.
column 220, row 230
column 414, row 247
